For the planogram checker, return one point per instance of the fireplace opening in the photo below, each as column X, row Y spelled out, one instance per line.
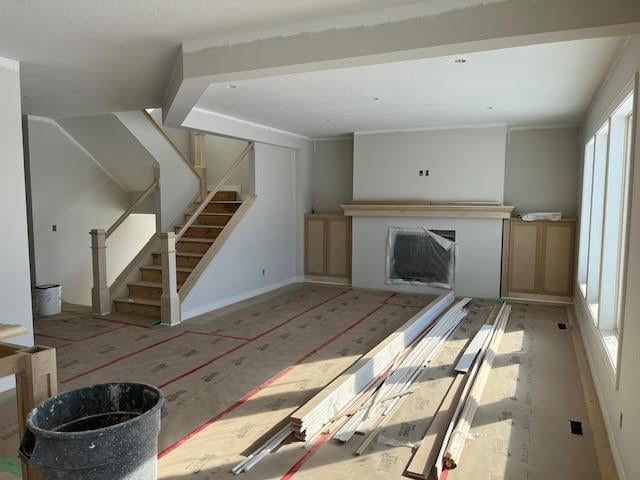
column 419, row 256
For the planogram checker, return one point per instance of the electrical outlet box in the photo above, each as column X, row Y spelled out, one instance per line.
column 54, row 228
column 264, row 271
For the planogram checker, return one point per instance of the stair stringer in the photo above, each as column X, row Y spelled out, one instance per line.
column 132, row 273
column 219, row 242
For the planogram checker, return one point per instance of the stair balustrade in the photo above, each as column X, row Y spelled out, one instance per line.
column 100, row 295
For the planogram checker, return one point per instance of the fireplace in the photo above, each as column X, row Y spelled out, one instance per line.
column 419, row 256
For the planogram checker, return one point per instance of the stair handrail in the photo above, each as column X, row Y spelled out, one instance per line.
column 170, row 142
column 141, row 198
column 215, row 190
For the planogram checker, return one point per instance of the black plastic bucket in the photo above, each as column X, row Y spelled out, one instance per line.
column 108, row 431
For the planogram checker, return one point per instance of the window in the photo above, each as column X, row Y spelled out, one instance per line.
column 585, row 220
column 603, row 222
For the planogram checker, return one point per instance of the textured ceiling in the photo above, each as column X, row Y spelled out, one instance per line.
column 81, row 57
column 538, row 84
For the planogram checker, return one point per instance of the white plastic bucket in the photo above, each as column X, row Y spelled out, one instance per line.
column 48, row 299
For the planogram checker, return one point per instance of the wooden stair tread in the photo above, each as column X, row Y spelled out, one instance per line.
column 147, row 283
column 159, row 267
column 185, row 254
column 235, row 202
column 199, row 225
column 138, row 300
column 196, row 240
column 214, row 214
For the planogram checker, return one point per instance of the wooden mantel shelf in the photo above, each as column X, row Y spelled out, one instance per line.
column 377, row 208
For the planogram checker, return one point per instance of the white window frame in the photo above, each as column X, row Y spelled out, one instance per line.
column 602, row 249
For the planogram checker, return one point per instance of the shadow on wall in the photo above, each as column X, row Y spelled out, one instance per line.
column 71, row 194
column 219, row 154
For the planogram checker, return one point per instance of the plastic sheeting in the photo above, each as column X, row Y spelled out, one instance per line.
column 532, row 217
column 418, row 256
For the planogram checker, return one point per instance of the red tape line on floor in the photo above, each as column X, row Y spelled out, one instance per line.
column 124, row 322
column 46, row 335
column 305, row 458
column 123, row 357
column 209, row 362
column 269, row 382
column 323, row 438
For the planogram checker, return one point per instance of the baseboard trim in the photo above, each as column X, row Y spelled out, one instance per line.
column 328, row 280
column 615, row 452
column 210, row 307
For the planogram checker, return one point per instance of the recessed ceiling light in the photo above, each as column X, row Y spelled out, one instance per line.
column 460, row 60
column 376, row 99
column 489, row 108
column 231, row 86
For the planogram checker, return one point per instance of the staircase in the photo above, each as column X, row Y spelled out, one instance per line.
column 144, row 295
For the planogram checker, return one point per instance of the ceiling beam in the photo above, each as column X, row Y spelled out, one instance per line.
column 510, row 23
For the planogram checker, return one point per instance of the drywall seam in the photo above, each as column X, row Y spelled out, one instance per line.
column 512, row 128
column 368, row 19
column 428, row 129
column 237, row 298
column 348, row 136
column 51, row 121
column 250, row 124
column 617, row 458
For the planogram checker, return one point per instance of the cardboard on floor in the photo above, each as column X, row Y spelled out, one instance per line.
column 233, row 377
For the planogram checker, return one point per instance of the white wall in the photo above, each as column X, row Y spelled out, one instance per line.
column 219, row 154
column 212, row 122
column 622, row 398
column 541, row 166
column 180, row 137
column 15, row 284
column 479, row 249
column 71, row 191
column 264, row 239
column 464, row 164
column 332, row 174
column 178, row 184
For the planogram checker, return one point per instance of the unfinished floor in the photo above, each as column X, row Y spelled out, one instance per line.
column 232, row 377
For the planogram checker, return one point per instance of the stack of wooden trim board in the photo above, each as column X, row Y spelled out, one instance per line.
column 362, row 398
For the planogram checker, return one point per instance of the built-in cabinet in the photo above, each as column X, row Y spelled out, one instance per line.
column 538, row 259
column 328, row 247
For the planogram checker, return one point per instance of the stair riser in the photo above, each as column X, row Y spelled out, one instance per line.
column 156, row 276
column 191, row 247
column 145, row 292
column 221, row 208
column 225, row 196
column 217, row 220
column 137, row 309
column 212, row 232
column 189, row 262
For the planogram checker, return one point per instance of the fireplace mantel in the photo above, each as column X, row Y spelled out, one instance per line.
column 377, row 208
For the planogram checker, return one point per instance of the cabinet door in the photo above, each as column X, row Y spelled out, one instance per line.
column 339, row 247
column 524, row 240
column 557, row 258
column 316, row 247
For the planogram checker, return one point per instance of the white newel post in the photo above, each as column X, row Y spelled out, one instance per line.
column 100, row 297
column 169, row 301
